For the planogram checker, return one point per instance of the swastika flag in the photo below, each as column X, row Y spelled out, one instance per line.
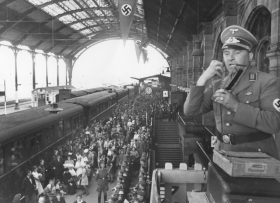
column 126, row 10
column 138, row 46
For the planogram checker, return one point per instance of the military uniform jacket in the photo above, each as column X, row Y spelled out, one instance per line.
column 256, row 110
column 102, row 178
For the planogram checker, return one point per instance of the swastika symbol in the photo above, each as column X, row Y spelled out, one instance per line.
column 126, row 9
column 138, row 43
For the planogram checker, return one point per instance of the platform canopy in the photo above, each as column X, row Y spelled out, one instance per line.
column 66, row 27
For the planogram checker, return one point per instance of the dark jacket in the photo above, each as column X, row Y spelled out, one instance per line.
column 82, row 201
column 27, row 187
column 62, row 200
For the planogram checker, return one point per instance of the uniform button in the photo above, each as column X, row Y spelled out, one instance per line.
column 259, row 150
column 227, row 124
column 228, row 113
column 247, row 102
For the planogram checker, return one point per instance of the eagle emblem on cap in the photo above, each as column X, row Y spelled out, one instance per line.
column 233, row 30
column 232, row 40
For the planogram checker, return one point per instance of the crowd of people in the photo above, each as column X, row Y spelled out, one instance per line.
column 165, row 110
column 114, row 148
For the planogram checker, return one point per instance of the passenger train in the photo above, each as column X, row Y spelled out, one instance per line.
column 31, row 135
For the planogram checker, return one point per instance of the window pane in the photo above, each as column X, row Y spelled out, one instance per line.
column 33, row 145
column 39, row 143
column 67, row 126
column 15, row 153
column 60, row 129
column 49, row 135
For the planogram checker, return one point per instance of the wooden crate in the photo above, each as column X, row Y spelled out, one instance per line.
column 247, row 164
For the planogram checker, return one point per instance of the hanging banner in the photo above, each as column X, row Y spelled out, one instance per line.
column 145, row 55
column 138, row 46
column 126, row 10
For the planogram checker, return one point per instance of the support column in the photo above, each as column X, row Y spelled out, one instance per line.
column 230, row 12
column 185, row 67
column 33, row 55
column 197, row 64
column 69, row 69
column 16, row 50
column 190, row 64
column 57, row 62
column 207, row 38
column 47, row 77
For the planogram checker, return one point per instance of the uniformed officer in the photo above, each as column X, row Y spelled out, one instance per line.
column 102, row 181
column 248, row 113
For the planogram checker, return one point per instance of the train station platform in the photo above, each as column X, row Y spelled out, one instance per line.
column 93, row 194
column 23, row 105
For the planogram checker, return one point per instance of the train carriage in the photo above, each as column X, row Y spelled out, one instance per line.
column 28, row 136
column 31, row 135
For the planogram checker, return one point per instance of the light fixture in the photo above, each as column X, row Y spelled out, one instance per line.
column 53, row 109
column 162, row 72
column 197, row 49
column 168, row 70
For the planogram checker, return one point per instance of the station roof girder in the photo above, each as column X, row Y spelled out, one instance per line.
column 65, row 27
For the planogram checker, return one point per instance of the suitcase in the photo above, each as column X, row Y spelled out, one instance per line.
column 220, row 185
column 247, row 164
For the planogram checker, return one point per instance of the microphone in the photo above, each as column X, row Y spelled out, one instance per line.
column 236, row 77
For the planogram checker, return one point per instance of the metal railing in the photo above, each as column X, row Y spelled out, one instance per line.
column 151, row 160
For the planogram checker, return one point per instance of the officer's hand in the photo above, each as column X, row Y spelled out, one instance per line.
column 227, row 99
column 215, row 68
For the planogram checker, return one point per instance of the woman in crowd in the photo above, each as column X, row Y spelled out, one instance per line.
column 37, row 176
column 84, row 179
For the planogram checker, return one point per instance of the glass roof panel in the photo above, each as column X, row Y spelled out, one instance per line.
column 77, row 26
column 90, row 3
column 70, row 5
column 67, row 19
column 85, row 32
column 97, row 28
column 60, row 7
column 53, row 9
column 81, row 15
column 91, row 22
column 38, row 2
column 98, row 13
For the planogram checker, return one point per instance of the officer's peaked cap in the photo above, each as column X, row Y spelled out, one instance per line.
column 238, row 37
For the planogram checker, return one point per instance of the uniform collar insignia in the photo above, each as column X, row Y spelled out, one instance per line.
column 232, row 40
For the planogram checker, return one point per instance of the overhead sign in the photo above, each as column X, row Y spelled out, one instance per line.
column 165, row 93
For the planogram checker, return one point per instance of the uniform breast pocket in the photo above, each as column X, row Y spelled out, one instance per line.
column 252, row 100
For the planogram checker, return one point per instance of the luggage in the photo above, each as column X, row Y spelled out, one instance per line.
column 220, row 185
column 247, row 164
